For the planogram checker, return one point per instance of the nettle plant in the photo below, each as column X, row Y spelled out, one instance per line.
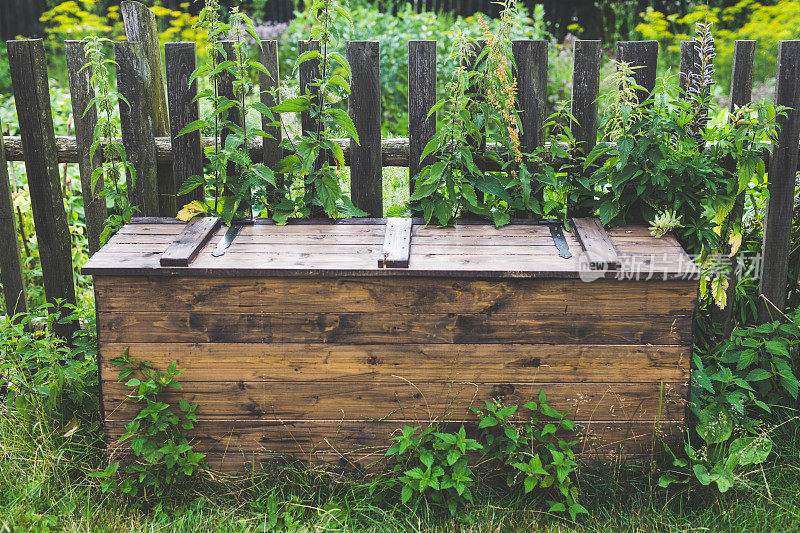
column 233, row 177
column 442, row 468
column 662, row 161
column 310, row 170
column 314, row 156
column 114, row 165
column 164, row 458
column 481, row 130
column 733, row 387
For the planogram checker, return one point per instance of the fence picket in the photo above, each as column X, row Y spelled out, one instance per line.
column 421, row 98
column 11, row 275
column 85, row 119
column 778, row 218
column 140, row 26
column 28, row 68
column 136, row 121
column 181, row 61
column 643, row 57
column 366, row 170
column 585, row 90
column 531, row 73
column 740, row 94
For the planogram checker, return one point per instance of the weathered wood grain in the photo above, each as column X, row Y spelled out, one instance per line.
column 396, row 295
column 585, row 90
column 366, row 170
column 525, row 363
column 396, row 244
column 137, row 123
column 778, row 217
column 400, row 400
column 643, row 57
column 327, row 440
column 28, row 67
column 421, row 99
column 188, row 243
column 140, row 26
column 530, row 58
column 85, row 119
column 366, row 328
column 596, row 243
column 11, row 275
column 181, row 61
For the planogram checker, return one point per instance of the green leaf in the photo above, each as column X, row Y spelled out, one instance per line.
column 193, row 126
column 714, row 424
column 777, row 348
column 406, row 493
column 750, row 450
column 758, row 374
column 344, row 121
column 293, row 105
column 191, row 183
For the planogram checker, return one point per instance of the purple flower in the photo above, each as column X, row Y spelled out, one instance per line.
column 268, row 30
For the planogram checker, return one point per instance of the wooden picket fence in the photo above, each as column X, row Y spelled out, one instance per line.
column 163, row 162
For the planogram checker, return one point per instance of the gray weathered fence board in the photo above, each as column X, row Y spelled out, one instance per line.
column 85, row 119
column 11, row 275
column 421, row 98
column 778, row 218
column 136, row 120
column 140, row 26
column 366, row 170
column 585, row 90
column 181, row 61
column 643, row 56
column 531, row 73
column 28, row 68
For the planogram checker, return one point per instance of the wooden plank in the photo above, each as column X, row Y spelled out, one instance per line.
column 585, row 90
column 778, row 217
column 393, row 328
column 524, row 363
column 366, row 172
column 531, row 72
column 397, row 243
column 11, row 276
column 181, row 60
column 269, row 84
column 599, row 250
column 136, row 119
column 394, row 150
column 643, row 57
column 28, row 67
column 189, row 242
column 421, row 99
column 85, row 118
column 402, row 294
column 140, row 26
column 240, row 441
column 401, row 400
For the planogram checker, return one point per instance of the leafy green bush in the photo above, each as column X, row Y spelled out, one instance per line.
column 157, row 435
column 733, row 388
column 443, row 468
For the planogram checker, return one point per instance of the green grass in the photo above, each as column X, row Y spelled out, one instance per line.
column 44, row 485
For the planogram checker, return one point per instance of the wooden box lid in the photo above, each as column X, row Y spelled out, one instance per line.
column 373, row 247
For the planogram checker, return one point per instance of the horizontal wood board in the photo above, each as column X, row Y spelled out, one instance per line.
column 466, row 250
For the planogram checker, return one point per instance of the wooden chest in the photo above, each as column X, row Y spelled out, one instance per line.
column 305, row 340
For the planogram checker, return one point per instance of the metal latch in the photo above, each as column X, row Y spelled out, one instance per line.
column 557, row 232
